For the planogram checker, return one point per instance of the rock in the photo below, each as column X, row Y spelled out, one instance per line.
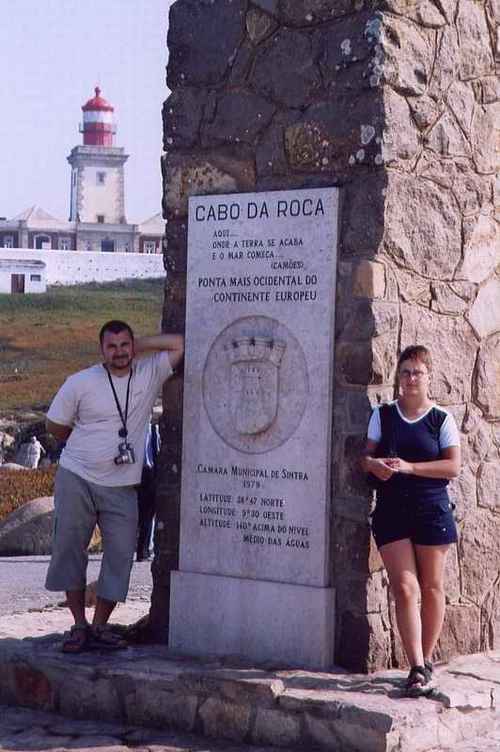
column 303, row 12
column 481, row 249
column 487, row 89
column 422, row 11
column 199, row 54
column 369, row 280
column 269, row 6
column 445, row 69
column 28, row 530
column 487, row 377
column 488, row 485
column 182, row 115
column 475, row 56
column 484, row 137
column 460, row 632
column 461, row 100
column 407, row 74
column 11, row 466
column 224, row 719
column 362, row 230
column 276, row 728
column 239, row 118
column 445, row 300
column 447, row 138
column 259, row 25
column 271, row 157
column 285, row 70
column 484, row 315
column 401, row 140
column 434, row 222
column 453, row 348
column 425, row 111
column 341, row 46
column 188, row 176
column 480, row 556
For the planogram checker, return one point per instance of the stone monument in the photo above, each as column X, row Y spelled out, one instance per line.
column 397, row 104
column 254, row 573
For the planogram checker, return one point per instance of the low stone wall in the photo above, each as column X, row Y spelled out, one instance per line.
column 78, row 267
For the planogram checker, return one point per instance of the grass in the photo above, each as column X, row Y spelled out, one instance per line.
column 19, row 486
column 46, row 337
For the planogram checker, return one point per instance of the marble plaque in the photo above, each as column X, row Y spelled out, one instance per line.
column 257, row 399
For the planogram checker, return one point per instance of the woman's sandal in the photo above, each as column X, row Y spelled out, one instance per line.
column 102, row 637
column 77, row 640
column 419, row 682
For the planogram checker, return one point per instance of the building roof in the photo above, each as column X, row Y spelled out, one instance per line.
column 155, row 225
column 26, row 263
column 37, row 218
column 34, row 213
column 98, row 103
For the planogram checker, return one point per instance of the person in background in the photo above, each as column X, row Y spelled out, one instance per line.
column 33, row 453
column 412, row 451
column 102, row 413
column 146, row 494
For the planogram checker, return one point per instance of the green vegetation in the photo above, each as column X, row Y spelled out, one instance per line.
column 19, row 486
column 44, row 338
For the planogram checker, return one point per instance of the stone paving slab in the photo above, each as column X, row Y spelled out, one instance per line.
column 150, row 686
column 22, row 729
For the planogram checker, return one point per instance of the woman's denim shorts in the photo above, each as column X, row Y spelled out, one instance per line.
column 425, row 517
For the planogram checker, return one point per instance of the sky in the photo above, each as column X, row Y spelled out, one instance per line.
column 52, row 55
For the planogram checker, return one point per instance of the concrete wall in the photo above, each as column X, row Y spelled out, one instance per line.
column 396, row 102
column 77, row 267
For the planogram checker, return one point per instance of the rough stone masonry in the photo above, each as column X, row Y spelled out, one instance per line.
column 398, row 103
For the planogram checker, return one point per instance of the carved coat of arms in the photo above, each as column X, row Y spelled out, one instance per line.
column 254, row 382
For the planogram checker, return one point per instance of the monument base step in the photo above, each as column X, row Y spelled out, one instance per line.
column 227, row 698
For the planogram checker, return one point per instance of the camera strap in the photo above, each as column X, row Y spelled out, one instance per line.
column 123, row 433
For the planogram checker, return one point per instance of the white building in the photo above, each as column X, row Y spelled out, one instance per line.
column 20, row 275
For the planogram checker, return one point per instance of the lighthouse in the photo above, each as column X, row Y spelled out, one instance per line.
column 97, row 168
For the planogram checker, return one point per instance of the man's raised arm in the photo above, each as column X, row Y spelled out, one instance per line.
column 172, row 343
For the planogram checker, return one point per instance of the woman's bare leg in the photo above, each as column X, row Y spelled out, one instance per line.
column 431, row 561
column 399, row 560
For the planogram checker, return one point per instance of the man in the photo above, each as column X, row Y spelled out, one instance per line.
column 146, row 494
column 102, row 413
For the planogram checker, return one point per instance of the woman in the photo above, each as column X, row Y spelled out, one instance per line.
column 412, row 451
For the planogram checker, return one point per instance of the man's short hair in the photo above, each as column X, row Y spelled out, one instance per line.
column 115, row 327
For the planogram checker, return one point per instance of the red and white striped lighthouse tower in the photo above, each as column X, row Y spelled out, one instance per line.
column 98, row 125
column 97, row 175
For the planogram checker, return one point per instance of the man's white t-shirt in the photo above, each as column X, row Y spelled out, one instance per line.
column 85, row 403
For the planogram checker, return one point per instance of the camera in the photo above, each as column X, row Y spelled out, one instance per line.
column 126, row 454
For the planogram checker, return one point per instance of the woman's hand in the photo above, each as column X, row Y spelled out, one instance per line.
column 401, row 466
column 380, row 468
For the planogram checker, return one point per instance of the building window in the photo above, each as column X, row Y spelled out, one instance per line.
column 100, row 219
column 149, row 246
column 43, row 242
column 35, row 277
column 64, row 244
column 8, row 241
column 107, row 246
column 101, row 178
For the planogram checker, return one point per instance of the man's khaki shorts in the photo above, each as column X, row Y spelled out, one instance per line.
column 79, row 506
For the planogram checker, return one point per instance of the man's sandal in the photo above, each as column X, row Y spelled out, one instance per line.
column 102, row 637
column 419, row 682
column 77, row 640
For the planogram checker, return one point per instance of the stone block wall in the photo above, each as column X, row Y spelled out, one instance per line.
column 398, row 103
